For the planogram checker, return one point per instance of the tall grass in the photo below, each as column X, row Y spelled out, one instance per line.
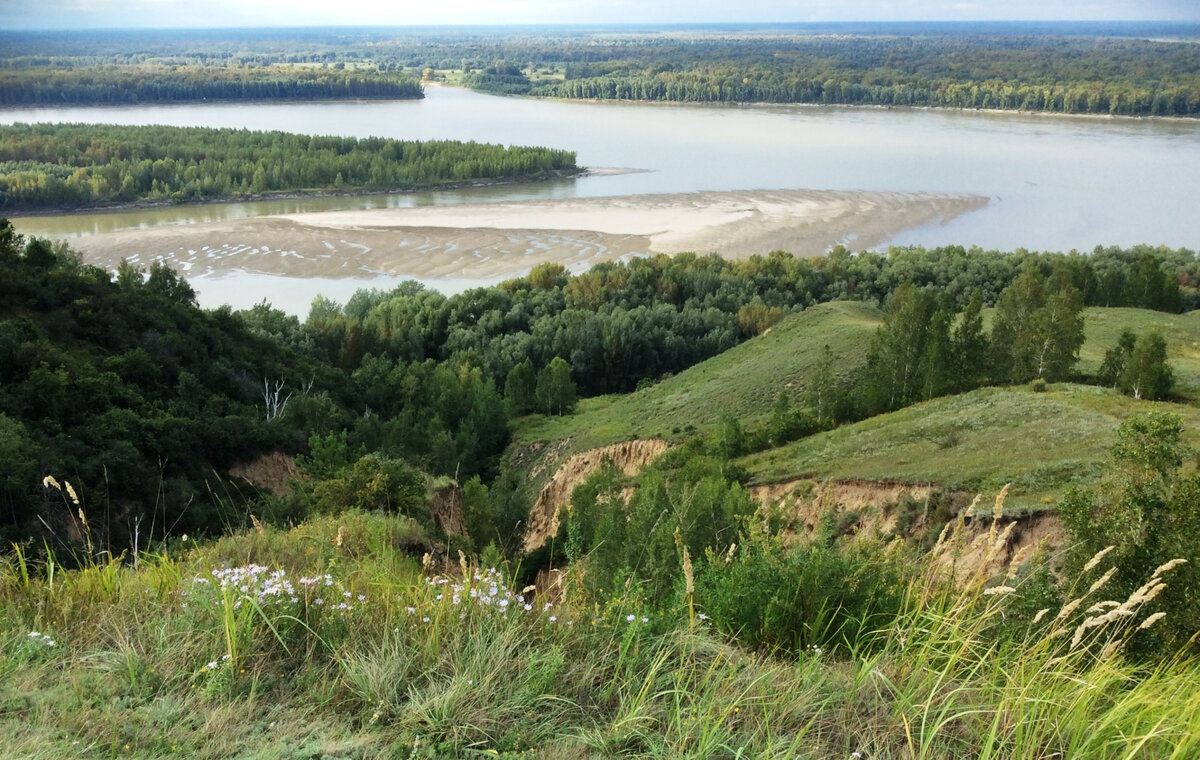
column 222, row 650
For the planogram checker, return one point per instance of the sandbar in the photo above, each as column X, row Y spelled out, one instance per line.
column 493, row 240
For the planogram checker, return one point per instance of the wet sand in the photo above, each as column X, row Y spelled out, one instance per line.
column 487, row 241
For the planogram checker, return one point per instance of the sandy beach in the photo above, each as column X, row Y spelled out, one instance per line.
column 506, row 239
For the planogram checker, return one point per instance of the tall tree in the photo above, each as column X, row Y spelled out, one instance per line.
column 1035, row 335
column 971, row 358
column 1146, row 374
column 555, row 388
column 520, row 389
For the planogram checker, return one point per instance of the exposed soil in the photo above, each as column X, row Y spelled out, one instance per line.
column 630, row 456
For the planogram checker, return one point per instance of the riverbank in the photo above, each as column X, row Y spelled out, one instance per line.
column 507, row 239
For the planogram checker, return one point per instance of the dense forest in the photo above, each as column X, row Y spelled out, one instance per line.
column 122, row 385
column 1126, row 69
column 80, row 165
column 112, row 84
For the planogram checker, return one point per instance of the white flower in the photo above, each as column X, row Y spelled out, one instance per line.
column 212, row 665
column 425, row 619
column 553, row 618
column 629, row 618
column 528, row 607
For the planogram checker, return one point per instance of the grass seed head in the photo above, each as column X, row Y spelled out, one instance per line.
column 1101, row 581
column 1151, row 620
column 1095, row 560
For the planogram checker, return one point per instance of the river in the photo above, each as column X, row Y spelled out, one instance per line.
column 1055, row 182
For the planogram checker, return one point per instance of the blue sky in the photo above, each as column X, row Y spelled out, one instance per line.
column 26, row 14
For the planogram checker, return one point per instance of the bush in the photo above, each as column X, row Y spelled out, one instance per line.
column 814, row 596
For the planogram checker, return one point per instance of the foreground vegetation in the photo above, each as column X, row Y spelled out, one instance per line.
column 325, row 641
column 79, row 165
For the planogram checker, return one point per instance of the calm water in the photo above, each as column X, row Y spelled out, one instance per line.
column 1057, row 183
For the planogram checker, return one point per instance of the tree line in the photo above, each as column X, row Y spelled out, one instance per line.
column 79, row 165
column 1100, row 69
column 150, row 83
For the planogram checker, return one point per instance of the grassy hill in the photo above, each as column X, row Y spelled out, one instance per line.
column 744, row 381
column 978, row 441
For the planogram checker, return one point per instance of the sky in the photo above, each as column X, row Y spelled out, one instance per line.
column 99, row 14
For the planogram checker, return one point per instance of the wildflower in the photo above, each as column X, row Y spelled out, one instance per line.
column 645, row 620
column 528, row 607
column 318, row 601
column 362, row 597
column 425, row 619
column 411, row 610
column 629, row 618
column 212, row 665
column 554, row 618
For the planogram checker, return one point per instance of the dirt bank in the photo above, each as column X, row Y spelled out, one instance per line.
column 630, row 456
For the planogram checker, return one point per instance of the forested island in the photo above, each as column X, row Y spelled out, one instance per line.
column 72, row 166
column 1115, row 69
column 147, row 83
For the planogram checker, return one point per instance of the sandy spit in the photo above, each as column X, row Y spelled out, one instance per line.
column 507, row 239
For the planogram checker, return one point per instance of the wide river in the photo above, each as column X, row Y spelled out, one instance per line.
column 1055, row 182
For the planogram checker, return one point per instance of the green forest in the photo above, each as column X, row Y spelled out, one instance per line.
column 148, row 83
column 1131, row 69
column 57, row 166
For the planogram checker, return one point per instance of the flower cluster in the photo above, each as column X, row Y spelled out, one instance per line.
column 41, row 638
column 272, row 589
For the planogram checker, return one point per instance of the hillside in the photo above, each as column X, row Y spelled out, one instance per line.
column 743, row 382
column 977, row 441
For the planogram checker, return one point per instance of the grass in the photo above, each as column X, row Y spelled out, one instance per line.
column 978, row 441
column 137, row 669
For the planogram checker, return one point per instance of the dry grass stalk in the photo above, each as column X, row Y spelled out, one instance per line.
column 1095, row 560
column 1151, row 620
column 1101, row 581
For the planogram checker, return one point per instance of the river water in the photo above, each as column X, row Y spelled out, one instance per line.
column 1056, row 182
